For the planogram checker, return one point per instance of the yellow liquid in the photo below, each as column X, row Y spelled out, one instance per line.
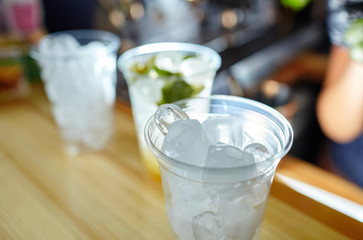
column 150, row 163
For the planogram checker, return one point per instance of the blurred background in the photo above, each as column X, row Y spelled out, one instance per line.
column 273, row 51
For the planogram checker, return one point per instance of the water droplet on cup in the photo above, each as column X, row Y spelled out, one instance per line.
column 166, row 115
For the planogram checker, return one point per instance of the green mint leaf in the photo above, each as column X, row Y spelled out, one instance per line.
column 176, row 90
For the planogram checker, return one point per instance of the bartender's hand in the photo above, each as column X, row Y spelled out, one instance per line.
column 340, row 103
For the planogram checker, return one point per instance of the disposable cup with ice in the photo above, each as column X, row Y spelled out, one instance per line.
column 78, row 69
column 161, row 73
column 217, row 158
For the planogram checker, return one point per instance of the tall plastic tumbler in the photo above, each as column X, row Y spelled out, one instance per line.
column 161, row 73
column 78, row 68
column 222, row 201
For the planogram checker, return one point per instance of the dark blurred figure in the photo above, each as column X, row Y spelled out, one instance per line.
column 60, row 15
column 340, row 103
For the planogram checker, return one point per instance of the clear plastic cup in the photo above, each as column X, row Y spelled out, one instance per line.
column 153, row 79
column 222, row 202
column 79, row 72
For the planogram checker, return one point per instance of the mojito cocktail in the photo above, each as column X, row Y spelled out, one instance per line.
column 217, row 159
column 162, row 73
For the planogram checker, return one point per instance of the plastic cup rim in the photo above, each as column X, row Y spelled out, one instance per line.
column 284, row 123
column 166, row 47
column 112, row 47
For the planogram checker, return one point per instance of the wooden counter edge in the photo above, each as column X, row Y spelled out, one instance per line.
column 315, row 176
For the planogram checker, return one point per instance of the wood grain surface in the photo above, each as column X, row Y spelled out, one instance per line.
column 47, row 194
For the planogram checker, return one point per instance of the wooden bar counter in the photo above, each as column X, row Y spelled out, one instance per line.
column 47, row 194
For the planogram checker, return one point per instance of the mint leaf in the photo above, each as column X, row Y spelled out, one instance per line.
column 176, row 90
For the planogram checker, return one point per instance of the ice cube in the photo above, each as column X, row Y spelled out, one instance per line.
column 209, row 226
column 167, row 114
column 61, row 44
column 224, row 155
column 228, row 192
column 186, row 141
column 194, row 66
column 259, row 151
column 94, row 48
column 184, row 200
column 256, row 194
column 169, row 61
column 224, row 129
column 240, row 205
column 240, row 220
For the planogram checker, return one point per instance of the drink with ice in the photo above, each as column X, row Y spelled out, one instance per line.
column 217, row 160
column 161, row 73
column 79, row 73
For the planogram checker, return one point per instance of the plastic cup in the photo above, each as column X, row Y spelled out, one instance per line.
column 222, row 202
column 78, row 69
column 148, row 90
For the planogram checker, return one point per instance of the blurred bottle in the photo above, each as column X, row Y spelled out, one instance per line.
column 20, row 26
column 22, row 17
column 12, row 79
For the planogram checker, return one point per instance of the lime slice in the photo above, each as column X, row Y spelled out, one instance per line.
column 139, row 68
column 295, row 5
column 142, row 67
column 197, row 89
